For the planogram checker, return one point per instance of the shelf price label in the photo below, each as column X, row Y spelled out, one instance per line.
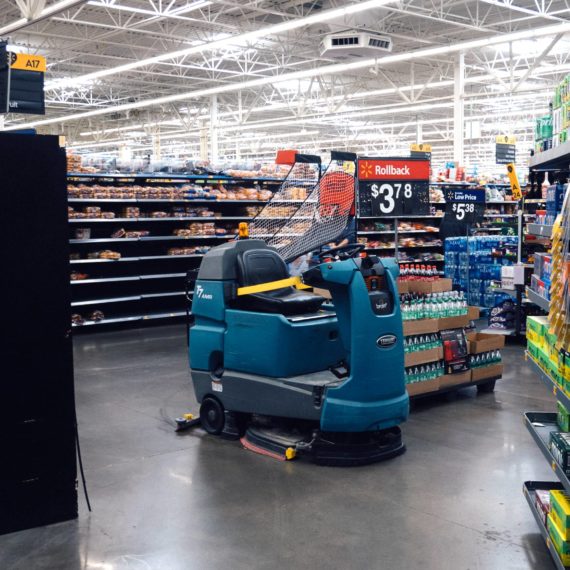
column 393, row 186
column 465, row 206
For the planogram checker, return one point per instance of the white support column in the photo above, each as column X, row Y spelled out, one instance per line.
column 156, row 150
column 203, row 141
column 458, row 109
column 214, row 129
column 419, row 132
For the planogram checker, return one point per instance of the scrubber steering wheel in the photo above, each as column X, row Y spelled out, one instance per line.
column 342, row 251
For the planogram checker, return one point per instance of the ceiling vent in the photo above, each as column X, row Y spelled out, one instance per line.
column 353, row 43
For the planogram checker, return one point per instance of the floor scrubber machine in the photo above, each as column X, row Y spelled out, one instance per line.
column 290, row 373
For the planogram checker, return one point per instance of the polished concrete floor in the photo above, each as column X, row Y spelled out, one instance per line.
column 172, row 502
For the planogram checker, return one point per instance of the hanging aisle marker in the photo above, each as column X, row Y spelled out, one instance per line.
column 22, row 82
column 513, row 179
column 28, row 62
column 393, row 186
column 505, row 149
column 420, row 150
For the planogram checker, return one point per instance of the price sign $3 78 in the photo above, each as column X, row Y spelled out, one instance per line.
column 388, row 193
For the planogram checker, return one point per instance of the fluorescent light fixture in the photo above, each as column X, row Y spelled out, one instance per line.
column 530, row 48
column 243, row 39
column 324, row 70
column 45, row 13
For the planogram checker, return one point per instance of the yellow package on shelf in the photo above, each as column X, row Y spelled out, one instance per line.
column 536, row 328
column 560, row 504
column 557, row 537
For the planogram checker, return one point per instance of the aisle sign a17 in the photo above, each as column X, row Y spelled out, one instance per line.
column 393, row 186
column 464, row 205
column 21, row 82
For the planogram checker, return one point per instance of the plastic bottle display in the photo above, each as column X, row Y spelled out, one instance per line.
column 485, row 359
column 424, row 372
column 416, row 306
column 474, row 263
column 421, row 342
column 418, row 272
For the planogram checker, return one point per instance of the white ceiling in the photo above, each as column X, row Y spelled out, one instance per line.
column 274, row 90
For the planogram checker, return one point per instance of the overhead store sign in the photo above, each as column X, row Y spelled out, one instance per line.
column 463, row 205
column 393, row 186
column 421, row 150
column 505, row 149
column 22, row 82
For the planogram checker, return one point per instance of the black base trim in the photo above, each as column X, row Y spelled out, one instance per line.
column 326, row 448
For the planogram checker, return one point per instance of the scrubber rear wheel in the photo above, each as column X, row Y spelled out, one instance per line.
column 212, row 416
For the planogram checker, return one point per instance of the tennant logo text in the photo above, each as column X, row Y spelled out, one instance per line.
column 391, row 170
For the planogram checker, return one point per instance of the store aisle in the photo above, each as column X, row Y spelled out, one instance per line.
column 170, row 502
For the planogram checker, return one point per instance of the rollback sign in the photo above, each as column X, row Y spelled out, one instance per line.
column 392, row 187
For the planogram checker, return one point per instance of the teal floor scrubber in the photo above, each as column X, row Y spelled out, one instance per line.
column 288, row 371
column 273, row 367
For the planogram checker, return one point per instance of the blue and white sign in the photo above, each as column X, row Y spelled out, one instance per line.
column 464, row 205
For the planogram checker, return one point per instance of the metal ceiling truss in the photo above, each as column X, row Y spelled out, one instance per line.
column 506, row 86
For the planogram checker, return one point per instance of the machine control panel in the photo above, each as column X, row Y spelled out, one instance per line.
column 374, row 274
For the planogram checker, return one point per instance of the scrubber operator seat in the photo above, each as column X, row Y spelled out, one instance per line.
column 257, row 266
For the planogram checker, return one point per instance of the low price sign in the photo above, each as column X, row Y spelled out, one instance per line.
column 393, row 186
column 464, row 205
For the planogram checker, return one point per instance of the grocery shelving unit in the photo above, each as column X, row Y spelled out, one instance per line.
column 539, row 230
column 414, row 253
column 548, row 381
column 543, row 231
column 529, row 491
column 537, row 299
column 557, row 157
column 146, row 283
column 540, row 425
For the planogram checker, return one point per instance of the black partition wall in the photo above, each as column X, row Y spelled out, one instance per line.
column 37, row 409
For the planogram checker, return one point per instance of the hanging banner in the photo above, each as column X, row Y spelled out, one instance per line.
column 392, row 187
column 464, row 205
column 505, row 149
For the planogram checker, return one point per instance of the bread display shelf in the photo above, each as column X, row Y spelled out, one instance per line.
column 131, row 318
column 146, row 279
column 180, row 219
column 147, row 238
column 161, row 201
